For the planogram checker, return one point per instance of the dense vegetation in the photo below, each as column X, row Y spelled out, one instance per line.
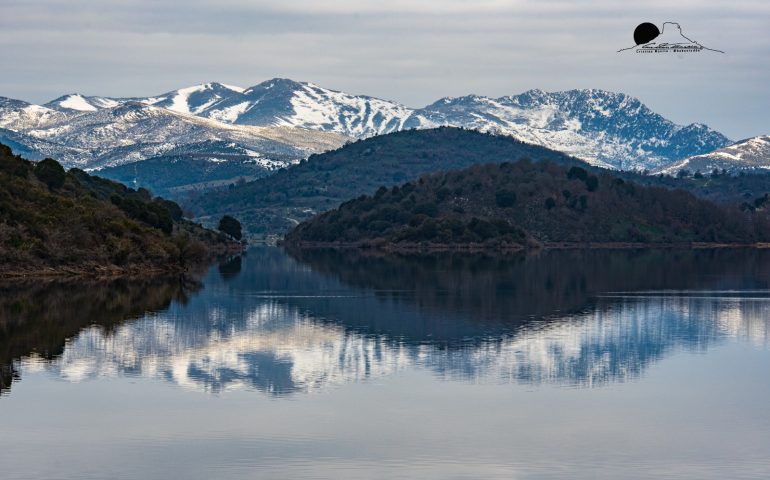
column 277, row 203
column 173, row 174
column 746, row 190
column 230, row 226
column 526, row 203
column 54, row 220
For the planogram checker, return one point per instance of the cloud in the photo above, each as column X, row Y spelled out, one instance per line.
column 409, row 51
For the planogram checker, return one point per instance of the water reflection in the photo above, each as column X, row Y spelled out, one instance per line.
column 37, row 317
column 282, row 324
column 230, row 268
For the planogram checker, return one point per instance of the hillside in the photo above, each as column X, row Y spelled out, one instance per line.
column 521, row 204
column 196, row 166
column 274, row 204
column 55, row 222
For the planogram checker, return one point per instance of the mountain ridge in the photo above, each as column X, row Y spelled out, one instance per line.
column 604, row 128
column 748, row 154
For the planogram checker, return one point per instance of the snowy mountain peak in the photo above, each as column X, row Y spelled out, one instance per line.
column 275, row 83
column 749, row 154
column 195, row 99
column 20, row 115
column 11, row 103
column 75, row 102
column 72, row 101
column 602, row 127
column 217, row 86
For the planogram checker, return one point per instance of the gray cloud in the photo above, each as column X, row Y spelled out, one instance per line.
column 412, row 52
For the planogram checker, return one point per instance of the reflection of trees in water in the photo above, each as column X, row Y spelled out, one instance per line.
column 282, row 325
column 37, row 317
column 280, row 351
column 229, row 268
column 518, row 287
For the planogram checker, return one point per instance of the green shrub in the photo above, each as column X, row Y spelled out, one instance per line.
column 230, row 226
column 505, row 198
column 50, row 172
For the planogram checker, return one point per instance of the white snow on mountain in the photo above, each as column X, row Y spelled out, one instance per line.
column 18, row 115
column 749, row 154
column 604, row 128
column 195, row 99
column 285, row 102
column 134, row 131
column 75, row 102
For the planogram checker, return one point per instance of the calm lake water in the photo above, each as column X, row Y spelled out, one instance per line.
column 570, row 364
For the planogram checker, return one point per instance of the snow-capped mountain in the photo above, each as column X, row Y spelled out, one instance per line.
column 276, row 102
column 285, row 102
column 194, row 99
column 75, row 102
column 37, row 149
column 18, row 115
column 131, row 131
column 750, row 154
column 603, row 128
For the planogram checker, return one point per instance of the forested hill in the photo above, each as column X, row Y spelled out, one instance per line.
column 276, row 203
column 52, row 221
column 524, row 203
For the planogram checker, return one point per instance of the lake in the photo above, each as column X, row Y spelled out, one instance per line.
column 322, row 364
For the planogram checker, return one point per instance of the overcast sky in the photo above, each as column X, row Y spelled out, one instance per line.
column 411, row 51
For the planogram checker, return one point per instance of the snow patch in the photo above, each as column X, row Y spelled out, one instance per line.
column 77, row 102
column 233, row 88
column 180, row 101
column 229, row 114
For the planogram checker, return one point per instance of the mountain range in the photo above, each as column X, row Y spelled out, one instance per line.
column 281, row 121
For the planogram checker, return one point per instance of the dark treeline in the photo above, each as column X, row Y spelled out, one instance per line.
column 526, row 204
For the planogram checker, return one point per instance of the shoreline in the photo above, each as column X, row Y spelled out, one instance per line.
column 91, row 272
column 111, row 271
column 477, row 247
column 107, row 272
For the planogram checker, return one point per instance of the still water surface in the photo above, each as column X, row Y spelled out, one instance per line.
column 320, row 364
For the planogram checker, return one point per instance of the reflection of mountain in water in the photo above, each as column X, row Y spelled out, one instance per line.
column 280, row 350
column 281, row 327
column 36, row 317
